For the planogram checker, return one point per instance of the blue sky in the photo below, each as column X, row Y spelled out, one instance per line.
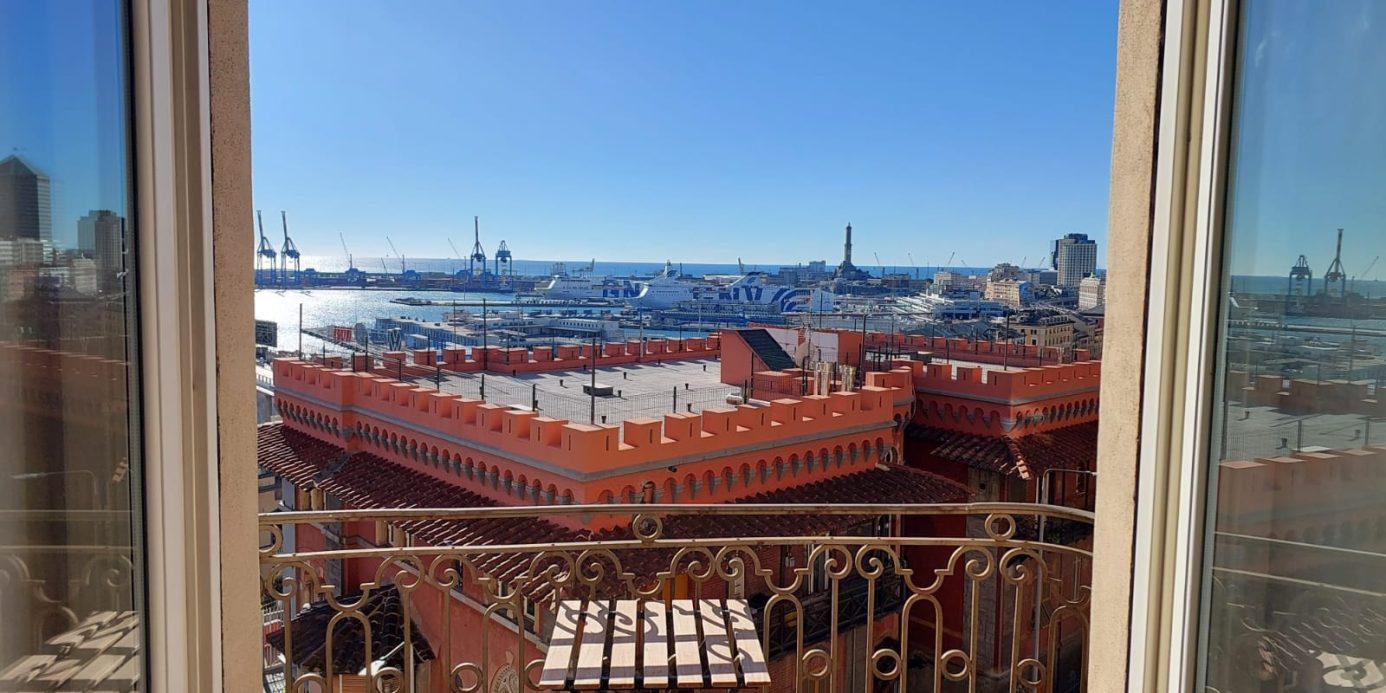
column 62, row 105
column 689, row 131
column 1309, row 149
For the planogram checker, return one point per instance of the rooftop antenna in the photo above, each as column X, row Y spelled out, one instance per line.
column 288, row 252
column 265, row 254
column 1335, row 273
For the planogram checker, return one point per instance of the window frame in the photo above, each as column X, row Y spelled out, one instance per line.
column 1173, row 484
column 195, row 586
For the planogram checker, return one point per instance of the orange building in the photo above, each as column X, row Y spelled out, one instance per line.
column 358, row 439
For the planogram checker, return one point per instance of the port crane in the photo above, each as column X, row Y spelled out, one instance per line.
column 350, row 265
column 1301, row 282
column 396, row 252
column 1335, row 273
column 455, row 251
column 879, row 267
column 478, row 255
column 503, row 258
column 265, row 254
column 288, row 252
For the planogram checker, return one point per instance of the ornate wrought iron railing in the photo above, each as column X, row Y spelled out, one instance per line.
column 901, row 598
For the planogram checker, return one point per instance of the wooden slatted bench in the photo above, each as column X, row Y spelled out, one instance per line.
column 630, row 644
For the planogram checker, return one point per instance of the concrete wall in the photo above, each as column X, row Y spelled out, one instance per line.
column 1132, row 198
column 228, row 64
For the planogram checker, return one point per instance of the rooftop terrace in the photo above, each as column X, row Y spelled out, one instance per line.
column 640, row 390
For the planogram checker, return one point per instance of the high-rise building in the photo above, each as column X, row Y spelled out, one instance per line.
column 26, row 201
column 1075, row 257
column 101, row 236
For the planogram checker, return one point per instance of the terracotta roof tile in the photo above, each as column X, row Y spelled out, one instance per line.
column 1071, row 447
column 367, row 481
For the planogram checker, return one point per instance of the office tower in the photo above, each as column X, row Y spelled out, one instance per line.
column 1075, row 257
column 26, row 202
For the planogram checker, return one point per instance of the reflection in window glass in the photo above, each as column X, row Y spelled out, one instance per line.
column 70, row 572
column 1295, row 585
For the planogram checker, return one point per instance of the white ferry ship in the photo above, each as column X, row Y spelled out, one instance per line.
column 585, row 288
column 754, row 289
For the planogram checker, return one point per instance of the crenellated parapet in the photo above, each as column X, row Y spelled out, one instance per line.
column 517, row 456
column 515, row 360
column 976, row 351
column 1012, row 402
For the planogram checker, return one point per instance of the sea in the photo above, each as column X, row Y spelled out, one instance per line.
column 321, row 307
column 324, row 307
column 542, row 268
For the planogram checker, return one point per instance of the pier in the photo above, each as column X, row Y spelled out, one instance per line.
column 1315, row 329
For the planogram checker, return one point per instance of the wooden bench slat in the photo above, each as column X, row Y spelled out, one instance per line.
column 749, row 654
column 27, row 668
column 688, row 658
column 560, row 656
column 592, row 654
column 655, row 662
column 721, row 656
column 687, row 643
column 624, row 621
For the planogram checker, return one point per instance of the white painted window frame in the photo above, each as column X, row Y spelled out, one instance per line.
column 1173, row 486
column 177, row 346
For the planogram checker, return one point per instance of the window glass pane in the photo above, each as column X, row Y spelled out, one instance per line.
column 1295, row 577
column 70, row 566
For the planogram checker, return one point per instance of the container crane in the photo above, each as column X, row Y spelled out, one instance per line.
column 478, row 255
column 1300, row 284
column 264, row 255
column 1335, row 273
column 350, row 265
column 503, row 258
column 456, row 252
column 396, row 252
column 288, row 252
column 1365, row 273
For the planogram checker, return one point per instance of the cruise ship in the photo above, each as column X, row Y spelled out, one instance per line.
column 750, row 290
column 666, row 290
column 586, row 288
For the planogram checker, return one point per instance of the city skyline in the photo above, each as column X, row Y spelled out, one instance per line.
column 755, row 131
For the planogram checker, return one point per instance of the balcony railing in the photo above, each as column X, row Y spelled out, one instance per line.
column 845, row 597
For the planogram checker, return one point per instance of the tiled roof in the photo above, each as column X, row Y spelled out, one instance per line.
column 1071, row 447
column 366, row 481
column 386, row 618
